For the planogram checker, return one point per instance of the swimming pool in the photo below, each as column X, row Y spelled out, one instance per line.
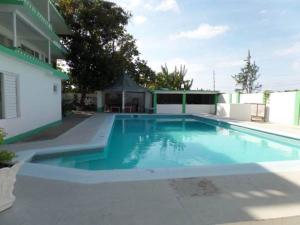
column 177, row 142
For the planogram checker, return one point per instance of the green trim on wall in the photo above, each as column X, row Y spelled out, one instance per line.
column 216, row 103
column 184, row 103
column 297, row 109
column 155, row 103
column 230, row 98
column 19, row 54
column 30, row 133
column 13, row 2
column 238, row 97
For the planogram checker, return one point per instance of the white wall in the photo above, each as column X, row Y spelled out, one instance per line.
column 169, row 108
column 223, row 110
column 235, row 111
column 252, row 98
column 224, row 98
column 38, row 104
column 200, row 109
column 240, row 112
column 234, row 97
column 282, row 107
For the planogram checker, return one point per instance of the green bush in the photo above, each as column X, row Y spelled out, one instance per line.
column 5, row 156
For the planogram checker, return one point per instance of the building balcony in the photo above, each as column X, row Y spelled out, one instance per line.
column 34, row 13
column 19, row 54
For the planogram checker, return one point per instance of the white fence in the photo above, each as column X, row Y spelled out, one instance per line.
column 200, row 109
column 169, row 109
column 281, row 107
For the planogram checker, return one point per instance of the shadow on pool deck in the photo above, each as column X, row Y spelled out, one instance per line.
column 67, row 123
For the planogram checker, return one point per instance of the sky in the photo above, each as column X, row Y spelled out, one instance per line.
column 215, row 35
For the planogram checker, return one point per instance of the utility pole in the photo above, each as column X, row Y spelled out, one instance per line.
column 214, row 80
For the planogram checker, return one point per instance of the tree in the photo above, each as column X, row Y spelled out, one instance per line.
column 100, row 49
column 248, row 76
column 172, row 80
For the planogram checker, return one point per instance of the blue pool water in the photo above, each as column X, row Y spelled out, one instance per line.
column 168, row 142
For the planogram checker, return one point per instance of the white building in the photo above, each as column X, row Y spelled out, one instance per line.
column 30, row 85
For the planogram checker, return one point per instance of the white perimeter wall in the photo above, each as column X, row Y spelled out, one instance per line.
column 223, row 109
column 240, row 112
column 282, row 107
column 252, row 98
column 38, row 104
column 200, row 109
column 224, row 98
column 169, row 108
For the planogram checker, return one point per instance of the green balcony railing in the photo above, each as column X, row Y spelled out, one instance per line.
column 21, row 55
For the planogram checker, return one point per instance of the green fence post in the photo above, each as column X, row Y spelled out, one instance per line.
column 238, row 97
column 216, row 103
column 184, row 102
column 154, row 102
column 297, row 109
column 230, row 98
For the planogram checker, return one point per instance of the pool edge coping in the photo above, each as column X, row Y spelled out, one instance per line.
column 104, row 176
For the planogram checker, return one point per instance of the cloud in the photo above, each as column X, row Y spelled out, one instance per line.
column 204, row 31
column 294, row 49
column 129, row 4
column 263, row 12
column 138, row 20
column 168, row 5
column 229, row 63
column 163, row 6
column 296, row 65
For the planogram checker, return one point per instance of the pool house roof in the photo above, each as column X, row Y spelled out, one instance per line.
column 185, row 92
column 127, row 84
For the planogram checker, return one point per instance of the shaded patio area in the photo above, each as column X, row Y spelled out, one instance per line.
column 126, row 96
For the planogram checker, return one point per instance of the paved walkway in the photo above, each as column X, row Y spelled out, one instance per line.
column 198, row 201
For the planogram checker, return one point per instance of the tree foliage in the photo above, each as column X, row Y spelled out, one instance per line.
column 100, row 49
column 246, row 79
column 174, row 80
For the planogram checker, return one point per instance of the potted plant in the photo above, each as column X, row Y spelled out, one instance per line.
column 8, row 172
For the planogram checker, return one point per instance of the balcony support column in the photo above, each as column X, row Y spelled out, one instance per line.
column 15, row 38
column 49, row 52
column 48, row 11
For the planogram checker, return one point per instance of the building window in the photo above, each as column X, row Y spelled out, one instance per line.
column 9, row 95
column 30, row 51
column 55, row 88
column 169, row 99
column 200, row 99
column 6, row 41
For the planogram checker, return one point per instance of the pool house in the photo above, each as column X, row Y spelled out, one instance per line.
column 189, row 102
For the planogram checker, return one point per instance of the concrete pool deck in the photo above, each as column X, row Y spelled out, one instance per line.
column 269, row 197
column 255, row 199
